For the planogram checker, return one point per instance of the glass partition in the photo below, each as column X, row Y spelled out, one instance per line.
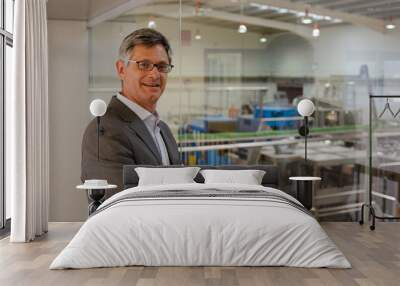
column 240, row 70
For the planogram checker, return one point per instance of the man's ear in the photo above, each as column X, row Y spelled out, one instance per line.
column 120, row 66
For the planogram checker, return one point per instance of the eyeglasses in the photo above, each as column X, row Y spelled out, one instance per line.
column 148, row 66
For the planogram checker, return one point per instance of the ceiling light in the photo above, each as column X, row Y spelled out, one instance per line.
column 242, row 29
column 390, row 26
column 152, row 24
column 263, row 39
column 306, row 19
column 316, row 32
column 197, row 36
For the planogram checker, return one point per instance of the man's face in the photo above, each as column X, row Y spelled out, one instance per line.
column 143, row 87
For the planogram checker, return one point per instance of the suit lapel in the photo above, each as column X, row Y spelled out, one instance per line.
column 143, row 133
column 136, row 124
column 169, row 144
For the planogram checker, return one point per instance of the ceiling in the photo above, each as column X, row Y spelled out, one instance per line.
column 266, row 16
column 79, row 10
column 380, row 9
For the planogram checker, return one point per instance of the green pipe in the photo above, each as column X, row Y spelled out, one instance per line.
column 272, row 133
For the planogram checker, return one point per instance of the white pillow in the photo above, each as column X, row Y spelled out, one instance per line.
column 248, row 177
column 163, row 176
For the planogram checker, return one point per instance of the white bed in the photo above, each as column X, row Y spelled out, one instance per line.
column 185, row 230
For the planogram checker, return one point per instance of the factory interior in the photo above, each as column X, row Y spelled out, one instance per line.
column 232, row 96
column 240, row 69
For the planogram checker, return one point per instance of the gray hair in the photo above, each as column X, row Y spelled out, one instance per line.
column 146, row 37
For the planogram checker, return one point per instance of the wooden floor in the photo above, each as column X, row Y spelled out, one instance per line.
column 374, row 255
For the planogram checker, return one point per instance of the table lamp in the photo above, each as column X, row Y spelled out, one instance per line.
column 305, row 108
column 96, row 188
column 98, row 108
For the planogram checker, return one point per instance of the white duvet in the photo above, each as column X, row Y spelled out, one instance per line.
column 200, row 231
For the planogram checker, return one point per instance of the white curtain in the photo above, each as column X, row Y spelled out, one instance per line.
column 27, row 128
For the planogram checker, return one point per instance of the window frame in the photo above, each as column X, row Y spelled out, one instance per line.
column 6, row 39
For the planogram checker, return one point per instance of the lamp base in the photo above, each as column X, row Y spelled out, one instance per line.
column 96, row 196
column 304, row 193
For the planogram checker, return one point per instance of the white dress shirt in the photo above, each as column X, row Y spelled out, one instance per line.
column 151, row 120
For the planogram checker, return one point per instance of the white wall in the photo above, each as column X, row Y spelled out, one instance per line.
column 339, row 54
column 68, row 103
column 342, row 50
column 289, row 55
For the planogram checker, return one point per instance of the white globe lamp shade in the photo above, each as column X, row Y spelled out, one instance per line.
column 242, row 29
column 98, row 107
column 305, row 107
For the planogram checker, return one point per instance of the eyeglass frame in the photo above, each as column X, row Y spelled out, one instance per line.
column 152, row 66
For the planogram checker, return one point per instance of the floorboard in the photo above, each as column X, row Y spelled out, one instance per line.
column 374, row 255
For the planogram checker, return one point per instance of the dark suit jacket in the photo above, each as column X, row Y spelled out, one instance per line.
column 125, row 141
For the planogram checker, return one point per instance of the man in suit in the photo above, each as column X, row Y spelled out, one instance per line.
column 131, row 131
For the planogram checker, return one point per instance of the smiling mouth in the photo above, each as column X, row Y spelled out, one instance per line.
column 151, row 84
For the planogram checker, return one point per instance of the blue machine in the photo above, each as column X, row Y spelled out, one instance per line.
column 268, row 111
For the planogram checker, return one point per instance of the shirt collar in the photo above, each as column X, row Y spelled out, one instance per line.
column 143, row 113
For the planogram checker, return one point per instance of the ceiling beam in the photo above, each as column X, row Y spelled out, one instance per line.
column 311, row 1
column 341, row 3
column 382, row 3
column 171, row 11
column 115, row 12
column 387, row 15
column 164, row 10
column 296, row 29
column 359, row 20
column 382, row 10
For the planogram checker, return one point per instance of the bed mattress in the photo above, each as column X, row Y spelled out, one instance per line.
column 201, row 225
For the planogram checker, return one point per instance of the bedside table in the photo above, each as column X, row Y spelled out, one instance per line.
column 304, row 187
column 95, row 194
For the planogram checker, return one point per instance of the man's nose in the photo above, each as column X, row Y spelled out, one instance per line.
column 154, row 72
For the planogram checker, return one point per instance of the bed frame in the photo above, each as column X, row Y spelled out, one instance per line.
column 270, row 179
